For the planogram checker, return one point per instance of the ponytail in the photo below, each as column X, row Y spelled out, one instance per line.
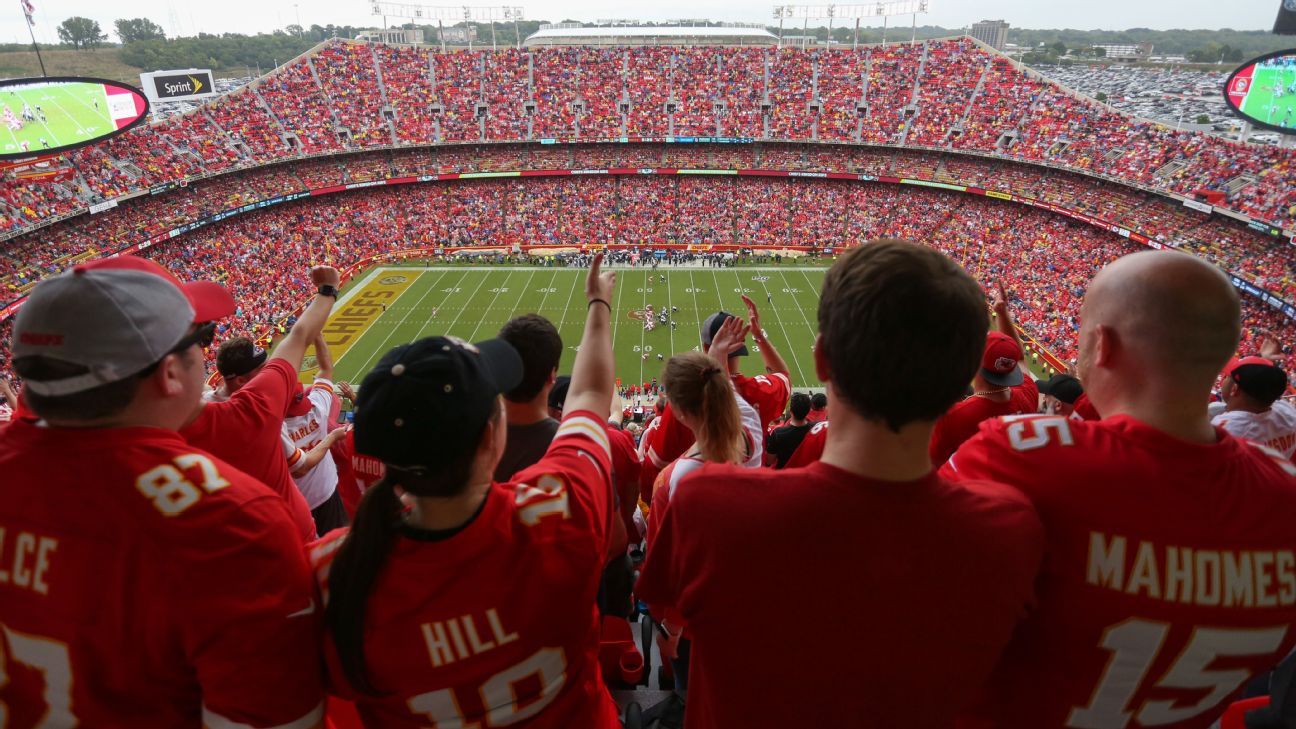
column 699, row 386
column 354, row 571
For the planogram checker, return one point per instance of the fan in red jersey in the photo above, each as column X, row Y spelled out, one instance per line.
column 1170, row 576
column 899, row 588
column 476, row 605
column 147, row 582
column 768, row 394
column 1001, row 387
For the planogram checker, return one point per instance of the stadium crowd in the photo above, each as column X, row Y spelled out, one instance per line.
column 468, row 549
column 349, row 96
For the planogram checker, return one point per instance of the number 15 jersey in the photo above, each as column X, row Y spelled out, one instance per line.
column 1169, row 577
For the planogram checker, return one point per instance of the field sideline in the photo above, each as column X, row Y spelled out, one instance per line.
column 473, row 302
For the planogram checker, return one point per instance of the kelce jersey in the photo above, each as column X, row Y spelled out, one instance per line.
column 145, row 583
column 497, row 624
column 1169, row 579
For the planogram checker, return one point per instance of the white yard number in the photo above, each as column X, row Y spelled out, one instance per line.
column 50, row 658
column 546, row 291
column 760, row 278
column 645, row 348
column 499, row 694
column 500, row 290
column 645, row 291
column 1028, row 432
column 451, row 290
column 791, row 291
column 1134, row 645
column 694, row 291
column 742, row 291
column 169, row 490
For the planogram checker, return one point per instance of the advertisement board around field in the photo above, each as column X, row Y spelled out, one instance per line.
column 183, row 85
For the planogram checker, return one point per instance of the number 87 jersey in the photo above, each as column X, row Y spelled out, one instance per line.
column 1169, row 579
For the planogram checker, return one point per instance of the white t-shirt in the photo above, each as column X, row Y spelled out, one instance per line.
column 306, row 431
column 1275, row 427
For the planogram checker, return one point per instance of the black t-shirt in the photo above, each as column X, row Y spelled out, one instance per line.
column 526, row 446
column 783, row 441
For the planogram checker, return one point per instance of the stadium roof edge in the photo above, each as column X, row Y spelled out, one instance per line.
column 637, row 34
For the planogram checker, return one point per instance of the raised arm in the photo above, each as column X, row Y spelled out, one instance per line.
column 293, row 347
column 323, row 358
column 7, row 394
column 592, row 375
column 311, row 458
column 1003, row 318
column 1270, row 347
column 773, row 360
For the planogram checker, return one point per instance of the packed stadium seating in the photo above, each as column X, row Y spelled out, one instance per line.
column 949, row 94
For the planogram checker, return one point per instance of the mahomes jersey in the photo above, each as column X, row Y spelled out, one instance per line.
column 145, row 583
column 496, row 625
column 1169, row 579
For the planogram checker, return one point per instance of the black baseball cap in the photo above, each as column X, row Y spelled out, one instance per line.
column 1062, row 386
column 431, row 398
column 712, row 325
column 558, row 393
column 1258, row 377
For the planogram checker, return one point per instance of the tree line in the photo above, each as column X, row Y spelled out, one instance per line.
column 144, row 43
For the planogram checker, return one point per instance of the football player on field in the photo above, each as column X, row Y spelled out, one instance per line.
column 146, row 582
column 1170, row 573
column 474, row 606
column 893, row 590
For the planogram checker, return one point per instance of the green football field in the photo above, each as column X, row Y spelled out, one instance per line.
column 70, row 116
column 472, row 303
column 1261, row 101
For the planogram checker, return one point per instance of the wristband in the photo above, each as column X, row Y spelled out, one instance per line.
column 600, row 301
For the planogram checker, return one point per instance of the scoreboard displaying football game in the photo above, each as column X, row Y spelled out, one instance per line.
column 1263, row 91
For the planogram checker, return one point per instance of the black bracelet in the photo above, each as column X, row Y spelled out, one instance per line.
column 600, row 301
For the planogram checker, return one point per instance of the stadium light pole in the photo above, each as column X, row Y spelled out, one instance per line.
column 467, row 14
column 882, row 8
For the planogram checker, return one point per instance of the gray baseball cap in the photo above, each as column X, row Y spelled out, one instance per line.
column 114, row 317
column 712, row 325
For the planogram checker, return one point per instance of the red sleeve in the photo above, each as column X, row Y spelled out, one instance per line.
column 668, row 441
column 251, row 625
column 811, row 448
column 946, row 437
column 767, row 393
column 1086, row 408
column 271, row 390
column 573, row 480
column 662, row 582
column 625, row 475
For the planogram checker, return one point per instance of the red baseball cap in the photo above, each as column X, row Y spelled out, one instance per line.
column 999, row 360
column 1258, row 377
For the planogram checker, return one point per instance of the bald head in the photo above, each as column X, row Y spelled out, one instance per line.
column 1169, row 312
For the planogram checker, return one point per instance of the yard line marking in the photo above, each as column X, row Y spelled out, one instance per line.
column 499, row 290
column 382, row 348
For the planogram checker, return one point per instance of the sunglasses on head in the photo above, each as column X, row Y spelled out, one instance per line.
column 203, row 336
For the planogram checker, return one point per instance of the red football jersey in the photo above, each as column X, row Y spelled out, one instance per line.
column 962, row 420
column 1170, row 574
column 625, row 483
column 496, row 625
column 811, row 448
column 145, row 583
column 885, row 603
column 245, row 431
column 767, row 393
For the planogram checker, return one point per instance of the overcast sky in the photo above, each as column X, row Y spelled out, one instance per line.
column 186, row 17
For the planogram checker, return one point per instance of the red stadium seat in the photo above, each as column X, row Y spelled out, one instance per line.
column 620, row 659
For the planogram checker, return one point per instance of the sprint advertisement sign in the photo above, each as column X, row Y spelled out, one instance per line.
column 185, row 85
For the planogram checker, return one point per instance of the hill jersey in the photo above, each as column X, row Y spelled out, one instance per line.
column 145, row 583
column 1169, row 579
column 811, row 448
column 885, row 604
column 495, row 624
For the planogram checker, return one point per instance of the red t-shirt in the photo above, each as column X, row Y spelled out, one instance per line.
column 146, row 583
column 811, row 448
column 625, row 482
column 817, row 416
column 244, row 431
column 1170, row 575
column 501, row 616
column 1085, row 409
column 962, row 420
column 889, row 602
